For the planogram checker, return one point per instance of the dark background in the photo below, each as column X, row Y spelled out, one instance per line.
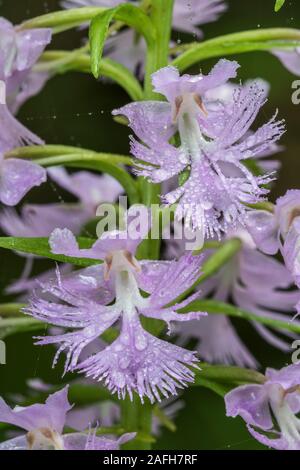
column 74, row 109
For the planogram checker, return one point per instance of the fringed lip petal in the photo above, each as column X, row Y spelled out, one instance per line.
column 151, row 367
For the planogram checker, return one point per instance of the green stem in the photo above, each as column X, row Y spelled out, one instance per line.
column 157, row 57
column 135, row 415
column 161, row 16
column 235, row 43
column 215, row 307
column 214, row 263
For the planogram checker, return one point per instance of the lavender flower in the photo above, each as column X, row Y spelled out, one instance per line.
column 39, row 220
column 19, row 50
column 290, row 59
column 280, row 229
column 213, row 143
column 106, row 412
column 269, row 228
column 17, row 176
column 90, row 189
column 278, row 396
column 28, row 85
column 189, row 14
column 136, row 360
column 254, row 282
column 44, row 426
column 225, row 95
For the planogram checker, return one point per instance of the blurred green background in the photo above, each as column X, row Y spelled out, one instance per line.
column 75, row 109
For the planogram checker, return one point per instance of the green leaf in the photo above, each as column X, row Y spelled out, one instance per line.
column 278, row 5
column 12, row 326
column 11, row 310
column 221, row 308
column 219, row 389
column 228, row 374
column 214, row 263
column 164, row 419
column 236, row 43
column 221, row 379
column 43, row 151
column 99, row 29
column 262, row 206
column 52, row 155
column 63, row 19
column 40, row 247
column 220, row 257
column 65, row 61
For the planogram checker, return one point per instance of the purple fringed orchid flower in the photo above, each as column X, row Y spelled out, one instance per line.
column 19, row 50
column 44, row 424
column 39, row 220
column 106, row 412
column 290, row 59
column 136, row 360
column 280, row 229
column 17, row 176
column 270, row 228
column 189, row 14
column 213, row 143
column 18, row 92
column 90, row 189
column 278, row 396
column 254, row 282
